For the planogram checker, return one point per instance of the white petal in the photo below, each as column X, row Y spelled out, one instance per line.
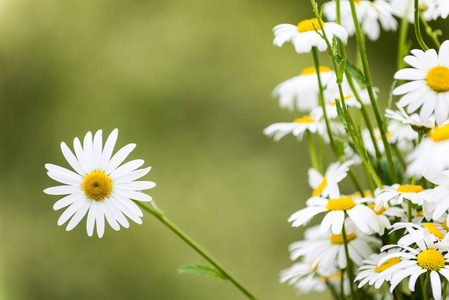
column 71, row 159
column 136, row 185
column 99, row 216
column 91, row 218
column 108, row 148
column 131, row 176
column 436, row 285
column 67, row 200
column 70, row 211
column 126, row 168
column 70, row 175
column 62, row 190
column 117, row 214
column 79, row 215
column 134, row 195
column 110, row 217
column 119, row 157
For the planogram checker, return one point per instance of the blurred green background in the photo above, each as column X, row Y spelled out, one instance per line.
column 190, row 83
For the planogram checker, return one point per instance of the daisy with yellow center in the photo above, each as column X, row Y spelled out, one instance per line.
column 371, row 16
column 326, row 251
column 375, row 273
column 303, row 36
column 413, row 120
column 417, row 231
column 336, row 211
column 99, row 187
column 299, row 126
column 396, row 194
column 430, row 157
column 426, row 256
column 428, row 88
column 327, row 184
column 301, row 92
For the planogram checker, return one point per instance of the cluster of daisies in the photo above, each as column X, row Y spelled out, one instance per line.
column 390, row 237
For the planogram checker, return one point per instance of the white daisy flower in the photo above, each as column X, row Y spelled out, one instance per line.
column 326, row 250
column 299, row 126
column 336, row 210
column 430, row 257
column 374, row 273
column 443, row 8
column 413, row 120
column 304, row 37
column 396, row 193
column 419, row 230
column 440, row 194
column 430, row 156
column 327, row 185
column 406, row 7
column 302, row 91
column 100, row 188
column 371, row 16
column 429, row 83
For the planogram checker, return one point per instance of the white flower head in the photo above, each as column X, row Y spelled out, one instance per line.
column 431, row 154
column 99, row 187
column 413, row 120
column 443, row 8
column 304, row 37
column 428, row 88
column 439, row 196
column 302, row 91
column 371, row 15
column 396, row 194
column 327, row 185
column 428, row 8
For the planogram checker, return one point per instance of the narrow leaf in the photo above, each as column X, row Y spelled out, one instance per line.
column 201, row 270
column 353, row 70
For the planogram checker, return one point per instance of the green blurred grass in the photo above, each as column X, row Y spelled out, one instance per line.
column 190, row 83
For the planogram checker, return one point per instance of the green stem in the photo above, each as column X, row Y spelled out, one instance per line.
column 429, row 31
column 418, row 28
column 398, row 294
column 331, row 289
column 402, row 38
column 424, row 284
column 369, row 86
column 322, row 154
column 348, row 262
column 445, row 289
column 200, row 250
column 409, row 211
column 312, row 151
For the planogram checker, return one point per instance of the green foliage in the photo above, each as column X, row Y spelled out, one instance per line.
column 353, row 70
column 201, row 270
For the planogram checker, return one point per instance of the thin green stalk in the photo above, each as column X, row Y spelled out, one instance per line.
column 369, row 86
column 312, row 151
column 424, row 284
column 368, row 180
column 200, row 250
column 326, row 119
column 402, row 38
column 322, row 154
column 429, row 30
column 418, row 28
column 348, row 262
column 445, row 289
column 409, row 211
column 398, row 294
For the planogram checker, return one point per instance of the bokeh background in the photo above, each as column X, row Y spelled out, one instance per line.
column 190, row 82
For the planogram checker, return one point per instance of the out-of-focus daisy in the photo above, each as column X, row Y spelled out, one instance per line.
column 304, row 37
column 413, row 120
column 384, row 214
column 327, row 185
column 443, row 8
column 371, row 15
column 415, row 230
column 429, row 83
column 440, row 194
column 396, row 193
column 428, row 8
column 374, row 273
column 299, row 126
column 302, row 91
column 100, row 188
column 427, row 258
column 326, row 250
column 431, row 154
column 336, row 209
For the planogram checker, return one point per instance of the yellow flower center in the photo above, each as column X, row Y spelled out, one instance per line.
column 378, row 212
column 388, row 263
column 312, row 70
column 97, row 185
column 337, row 239
column 420, row 213
column 431, row 260
column 438, row 79
column 331, row 277
column 320, row 188
column 409, row 189
column 342, row 203
column 445, row 225
column 434, row 230
column 439, row 134
column 303, row 120
column 308, row 25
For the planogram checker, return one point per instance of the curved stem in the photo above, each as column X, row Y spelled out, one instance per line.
column 418, row 28
column 200, row 250
column 402, row 39
column 348, row 262
column 429, row 30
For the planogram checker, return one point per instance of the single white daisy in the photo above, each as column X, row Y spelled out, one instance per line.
column 396, row 193
column 302, row 91
column 324, row 251
column 100, row 188
column 336, row 209
column 374, row 273
column 430, row 156
column 430, row 257
column 371, row 16
column 301, row 125
column 304, row 37
column 413, row 120
column 429, row 83
column 428, row 8
column 327, row 185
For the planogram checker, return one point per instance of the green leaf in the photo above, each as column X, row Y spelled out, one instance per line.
column 340, row 145
column 353, row 70
column 340, row 113
column 341, row 71
column 201, row 270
